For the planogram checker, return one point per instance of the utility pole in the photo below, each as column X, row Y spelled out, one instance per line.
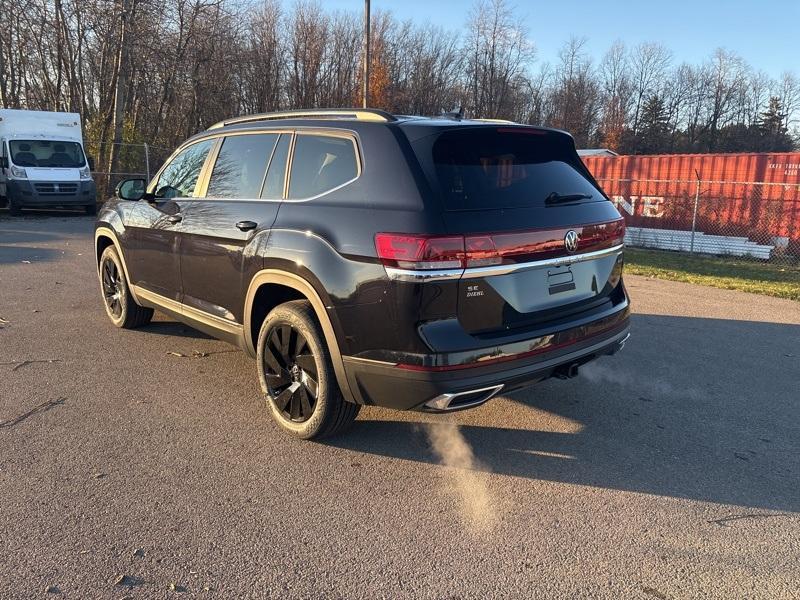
column 366, row 54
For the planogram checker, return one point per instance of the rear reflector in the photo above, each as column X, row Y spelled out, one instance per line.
column 421, row 252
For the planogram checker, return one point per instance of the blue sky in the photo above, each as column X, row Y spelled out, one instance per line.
column 766, row 34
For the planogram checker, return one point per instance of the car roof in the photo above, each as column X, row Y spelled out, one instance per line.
column 415, row 126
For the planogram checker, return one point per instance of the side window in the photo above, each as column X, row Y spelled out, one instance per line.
column 240, row 166
column 321, row 163
column 179, row 178
column 276, row 174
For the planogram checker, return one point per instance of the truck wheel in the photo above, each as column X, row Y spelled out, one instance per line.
column 91, row 209
column 14, row 208
column 296, row 374
column 120, row 306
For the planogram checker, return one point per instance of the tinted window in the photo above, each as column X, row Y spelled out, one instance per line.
column 276, row 174
column 179, row 178
column 487, row 168
column 42, row 153
column 321, row 163
column 240, row 166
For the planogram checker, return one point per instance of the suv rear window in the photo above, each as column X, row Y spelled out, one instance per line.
column 487, row 168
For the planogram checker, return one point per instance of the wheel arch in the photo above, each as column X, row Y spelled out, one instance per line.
column 103, row 238
column 296, row 288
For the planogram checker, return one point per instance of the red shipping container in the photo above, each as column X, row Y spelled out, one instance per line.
column 753, row 195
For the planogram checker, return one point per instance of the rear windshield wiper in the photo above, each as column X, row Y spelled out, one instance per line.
column 556, row 198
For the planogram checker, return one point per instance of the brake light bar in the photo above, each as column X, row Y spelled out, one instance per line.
column 423, row 252
column 523, row 130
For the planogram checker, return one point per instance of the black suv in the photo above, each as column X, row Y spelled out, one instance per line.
column 366, row 258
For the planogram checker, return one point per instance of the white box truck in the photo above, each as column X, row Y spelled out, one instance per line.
column 42, row 161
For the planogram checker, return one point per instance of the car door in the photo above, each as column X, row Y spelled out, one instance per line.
column 224, row 229
column 154, row 227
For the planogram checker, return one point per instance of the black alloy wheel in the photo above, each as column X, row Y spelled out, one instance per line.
column 290, row 372
column 119, row 303
column 113, row 289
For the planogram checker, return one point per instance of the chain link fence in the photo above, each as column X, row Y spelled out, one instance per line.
column 743, row 219
column 133, row 161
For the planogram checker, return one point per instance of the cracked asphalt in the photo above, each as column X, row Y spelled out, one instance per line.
column 671, row 470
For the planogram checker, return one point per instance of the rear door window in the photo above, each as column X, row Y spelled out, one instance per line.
column 179, row 177
column 488, row 168
column 241, row 166
column 320, row 164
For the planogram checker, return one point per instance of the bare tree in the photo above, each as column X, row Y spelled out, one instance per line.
column 499, row 53
column 157, row 72
column 649, row 64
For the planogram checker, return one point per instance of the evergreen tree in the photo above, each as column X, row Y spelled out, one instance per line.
column 773, row 133
column 654, row 136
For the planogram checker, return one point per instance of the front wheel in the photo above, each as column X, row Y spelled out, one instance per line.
column 14, row 208
column 297, row 375
column 120, row 305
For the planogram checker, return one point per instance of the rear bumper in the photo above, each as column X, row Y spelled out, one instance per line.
column 41, row 194
column 404, row 388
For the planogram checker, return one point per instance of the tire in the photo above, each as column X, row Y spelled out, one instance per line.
column 120, row 305
column 90, row 209
column 14, row 208
column 293, row 362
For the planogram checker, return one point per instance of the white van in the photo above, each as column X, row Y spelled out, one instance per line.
column 42, row 161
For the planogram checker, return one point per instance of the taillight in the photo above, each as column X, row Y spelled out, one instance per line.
column 481, row 251
column 420, row 252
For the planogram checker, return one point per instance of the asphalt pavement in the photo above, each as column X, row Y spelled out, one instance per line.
column 143, row 464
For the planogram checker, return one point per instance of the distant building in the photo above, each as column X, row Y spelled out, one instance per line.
column 597, row 152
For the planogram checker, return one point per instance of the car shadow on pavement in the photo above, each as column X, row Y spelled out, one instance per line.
column 705, row 409
column 42, row 213
column 19, row 254
column 174, row 329
column 21, row 237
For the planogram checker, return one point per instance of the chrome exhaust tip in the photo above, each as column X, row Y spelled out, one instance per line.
column 621, row 344
column 459, row 400
column 567, row 371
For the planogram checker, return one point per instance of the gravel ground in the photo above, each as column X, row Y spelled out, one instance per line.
column 668, row 471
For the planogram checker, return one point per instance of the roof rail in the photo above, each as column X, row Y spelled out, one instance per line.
column 359, row 114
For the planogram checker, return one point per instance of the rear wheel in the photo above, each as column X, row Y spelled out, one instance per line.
column 120, row 305
column 297, row 375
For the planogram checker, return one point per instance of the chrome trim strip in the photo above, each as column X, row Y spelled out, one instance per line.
column 188, row 311
column 422, row 276
column 369, row 361
column 559, row 261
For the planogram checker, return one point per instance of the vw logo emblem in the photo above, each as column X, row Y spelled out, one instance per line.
column 571, row 241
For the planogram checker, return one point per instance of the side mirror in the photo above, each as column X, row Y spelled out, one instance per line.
column 130, row 189
column 90, row 160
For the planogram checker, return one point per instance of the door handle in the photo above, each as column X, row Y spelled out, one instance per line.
column 175, row 218
column 246, row 225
